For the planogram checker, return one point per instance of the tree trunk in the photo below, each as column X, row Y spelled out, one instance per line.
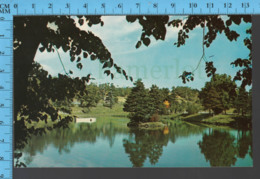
column 24, row 57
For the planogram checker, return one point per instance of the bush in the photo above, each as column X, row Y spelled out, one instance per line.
column 193, row 108
column 155, row 118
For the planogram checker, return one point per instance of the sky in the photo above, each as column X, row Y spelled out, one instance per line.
column 160, row 63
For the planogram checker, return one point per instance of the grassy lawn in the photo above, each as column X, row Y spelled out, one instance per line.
column 116, row 115
column 232, row 120
column 222, row 119
column 101, row 112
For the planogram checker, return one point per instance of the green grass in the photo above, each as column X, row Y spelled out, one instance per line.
column 101, row 111
column 195, row 117
column 116, row 115
column 220, row 119
column 231, row 120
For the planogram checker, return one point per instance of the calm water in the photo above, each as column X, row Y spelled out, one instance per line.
column 113, row 144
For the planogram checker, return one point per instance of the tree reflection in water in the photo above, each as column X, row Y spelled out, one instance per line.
column 221, row 148
column 145, row 144
column 64, row 139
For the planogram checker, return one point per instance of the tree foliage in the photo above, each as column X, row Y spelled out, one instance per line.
column 242, row 102
column 111, row 97
column 219, row 93
column 40, row 102
column 138, row 104
column 36, row 92
column 32, row 96
column 155, row 26
column 33, row 31
column 91, row 96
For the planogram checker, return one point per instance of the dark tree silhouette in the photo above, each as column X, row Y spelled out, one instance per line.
column 32, row 31
column 155, row 26
column 35, row 90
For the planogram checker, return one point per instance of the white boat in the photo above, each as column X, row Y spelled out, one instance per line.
column 85, row 120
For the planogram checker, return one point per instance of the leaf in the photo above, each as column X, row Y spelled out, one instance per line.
column 146, row 41
column 118, row 69
column 81, row 21
column 42, row 49
column 139, row 43
column 131, row 78
column 131, row 18
column 93, row 57
column 124, row 73
column 85, row 54
column 72, row 59
column 78, row 60
column 107, row 64
column 79, row 66
column 107, row 72
column 228, row 22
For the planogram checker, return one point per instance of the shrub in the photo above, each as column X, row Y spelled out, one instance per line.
column 193, row 108
column 155, row 118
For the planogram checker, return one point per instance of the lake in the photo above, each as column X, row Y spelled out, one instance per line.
column 110, row 143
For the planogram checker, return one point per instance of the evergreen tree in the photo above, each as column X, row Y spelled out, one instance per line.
column 138, row 104
column 156, row 99
column 90, row 98
column 242, row 101
column 173, row 100
column 165, row 94
column 111, row 97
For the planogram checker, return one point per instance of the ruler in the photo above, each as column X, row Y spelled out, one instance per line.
column 10, row 8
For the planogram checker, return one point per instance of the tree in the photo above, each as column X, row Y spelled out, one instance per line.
column 34, row 32
column 213, row 25
column 173, row 100
column 219, row 93
column 138, row 104
column 165, row 94
column 111, row 97
column 193, row 108
column 91, row 97
column 156, row 99
column 211, row 100
column 242, row 103
column 42, row 95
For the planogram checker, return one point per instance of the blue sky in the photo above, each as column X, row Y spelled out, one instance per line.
column 160, row 63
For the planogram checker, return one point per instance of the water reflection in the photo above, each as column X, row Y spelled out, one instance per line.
column 143, row 144
column 221, row 148
column 65, row 139
column 218, row 147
